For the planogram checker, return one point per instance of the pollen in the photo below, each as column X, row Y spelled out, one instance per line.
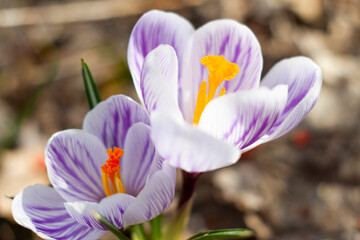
column 111, row 177
column 219, row 70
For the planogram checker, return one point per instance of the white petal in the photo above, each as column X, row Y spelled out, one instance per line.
column 228, row 38
column 189, row 148
column 138, row 158
column 244, row 117
column 155, row 197
column 112, row 208
column 73, row 159
column 41, row 209
column 155, row 28
column 159, row 81
column 111, row 119
column 304, row 80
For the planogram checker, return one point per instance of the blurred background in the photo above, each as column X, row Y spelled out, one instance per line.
column 305, row 185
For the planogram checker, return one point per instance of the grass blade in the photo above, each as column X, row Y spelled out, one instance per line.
column 236, row 233
column 92, row 92
column 110, row 226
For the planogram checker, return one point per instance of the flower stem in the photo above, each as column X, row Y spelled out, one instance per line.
column 156, row 227
column 188, row 187
column 178, row 223
column 138, row 232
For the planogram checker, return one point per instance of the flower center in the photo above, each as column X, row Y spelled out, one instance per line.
column 219, row 70
column 111, row 172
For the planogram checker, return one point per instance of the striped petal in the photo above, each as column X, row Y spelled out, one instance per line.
column 244, row 117
column 304, row 80
column 155, row 28
column 228, row 38
column 138, row 158
column 110, row 120
column 155, row 197
column 156, row 165
column 188, row 147
column 159, row 81
column 112, row 208
column 41, row 209
column 73, row 159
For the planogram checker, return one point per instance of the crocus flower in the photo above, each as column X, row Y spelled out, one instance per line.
column 204, row 93
column 110, row 167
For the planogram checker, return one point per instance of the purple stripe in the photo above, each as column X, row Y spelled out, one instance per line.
column 244, row 70
column 78, row 193
column 92, row 161
column 223, row 45
column 261, row 131
column 238, row 120
column 237, row 51
column 141, row 175
column 157, row 35
column 172, row 42
column 58, row 232
column 82, row 167
column 154, row 106
column 61, row 162
column 52, row 219
column 234, row 60
column 41, row 208
column 143, row 43
column 68, row 170
column 115, row 133
column 126, row 122
column 137, row 64
column 295, row 100
column 293, row 103
column 103, row 133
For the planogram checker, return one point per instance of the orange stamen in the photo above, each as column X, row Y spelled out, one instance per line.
column 111, row 172
column 219, row 70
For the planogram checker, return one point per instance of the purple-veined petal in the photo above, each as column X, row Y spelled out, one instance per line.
column 189, row 148
column 159, row 81
column 303, row 78
column 41, row 209
column 73, row 159
column 155, row 28
column 228, row 38
column 156, row 165
column 138, row 157
column 155, row 197
column 110, row 120
column 244, row 117
column 112, row 208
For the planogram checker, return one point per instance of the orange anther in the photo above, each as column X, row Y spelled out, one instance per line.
column 219, row 70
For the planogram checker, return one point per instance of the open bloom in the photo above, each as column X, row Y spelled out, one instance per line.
column 110, row 167
column 204, row 92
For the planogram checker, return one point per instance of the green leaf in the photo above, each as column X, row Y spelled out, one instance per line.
column 156, row 224
column 138, row 232
column 110, row 226
column 238, row 233
column 92, row 92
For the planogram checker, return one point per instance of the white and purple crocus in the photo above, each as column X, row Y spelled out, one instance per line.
column 203, row 90
column 110, row 167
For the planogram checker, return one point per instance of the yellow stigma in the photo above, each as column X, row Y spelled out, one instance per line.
column 111, row 172
column 219, row 70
